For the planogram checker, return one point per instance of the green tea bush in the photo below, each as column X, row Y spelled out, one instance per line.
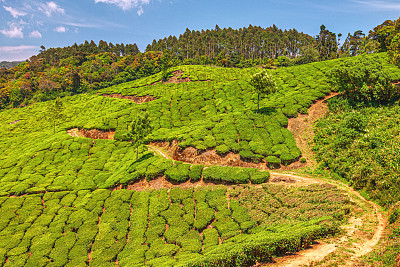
column 178, row 173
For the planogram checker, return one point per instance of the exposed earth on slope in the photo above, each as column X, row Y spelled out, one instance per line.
column 362, row 232
column 210, row 157
column 92, row 133
column 135, row 98
column 177, row 78
column 302, row 127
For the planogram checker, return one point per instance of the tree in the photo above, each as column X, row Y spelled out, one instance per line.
column 166, row 63
column 263, row 83
column 326, row 44
column 138, row 130
column 55, row 112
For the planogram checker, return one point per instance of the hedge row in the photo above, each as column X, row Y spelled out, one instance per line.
column 195, row 227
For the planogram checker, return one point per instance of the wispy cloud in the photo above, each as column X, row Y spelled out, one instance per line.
column 15, row 13
column 35, row 34
column 127, row 4
column 60, row 29
column 51, row 8
column 20, row 52
column 377, row 4
column 140, row 11
column 15, row 31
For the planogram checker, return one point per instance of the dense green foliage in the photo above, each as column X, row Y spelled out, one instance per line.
column 235, row 48
column 9, row 64
column 43, row 77
column 161, row 228
column 361, row 144
column 55, row 189
column 139, row 129
column 364, row 79
column 90, row 66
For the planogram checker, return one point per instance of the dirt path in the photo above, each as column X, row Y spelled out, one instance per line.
column 302, row 127
column 361, row 234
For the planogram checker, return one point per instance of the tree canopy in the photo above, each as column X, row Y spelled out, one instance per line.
column 263, row 83
column 139, row 129
column 364, row 80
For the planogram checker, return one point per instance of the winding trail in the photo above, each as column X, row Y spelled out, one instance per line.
column 348, row 248
column 365, row 227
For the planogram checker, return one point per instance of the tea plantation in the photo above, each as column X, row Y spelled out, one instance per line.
column 58, row 208
column 160, row 228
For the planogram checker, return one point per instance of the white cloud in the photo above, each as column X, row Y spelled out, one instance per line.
column 140, row 11
column 378, row 4
column 35, row 34
column 127, row 4
column 15, row 31
column 21, row 52
column 60, row 29
column 51, row 8
column 15, row 13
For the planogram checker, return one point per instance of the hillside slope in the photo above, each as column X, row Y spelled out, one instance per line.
column 58, row 189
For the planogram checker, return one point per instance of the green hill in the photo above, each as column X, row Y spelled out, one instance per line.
column 66, row 214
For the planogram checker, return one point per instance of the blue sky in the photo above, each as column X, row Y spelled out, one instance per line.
column 25, row 25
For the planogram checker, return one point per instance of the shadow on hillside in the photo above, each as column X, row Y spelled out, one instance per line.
column 266, row 111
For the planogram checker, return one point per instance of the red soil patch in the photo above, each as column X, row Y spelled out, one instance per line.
column 177, row 78
column 302, row 127
column 161, row 182
column 92, row 133
column 135, row 98
column 211, row 157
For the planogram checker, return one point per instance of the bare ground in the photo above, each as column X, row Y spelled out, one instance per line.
column 92, row 133
column 135, row 98
column 302, row 127
column 360, row 235
column 162, row 182
column 177, row 78
column 210, row 157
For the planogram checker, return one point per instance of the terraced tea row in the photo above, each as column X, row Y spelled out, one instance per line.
column 192, row 227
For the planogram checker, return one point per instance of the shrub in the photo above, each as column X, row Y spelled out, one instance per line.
column 196, row 172
column 273, row 162
column 179, row 172
column 211, row 238
column 287, row 158
column 364, row 79
column 394, row 216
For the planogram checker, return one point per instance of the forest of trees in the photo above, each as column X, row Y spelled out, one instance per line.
column 78, row 68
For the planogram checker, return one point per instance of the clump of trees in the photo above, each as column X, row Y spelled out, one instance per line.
column 364, row 79
column 56, row 72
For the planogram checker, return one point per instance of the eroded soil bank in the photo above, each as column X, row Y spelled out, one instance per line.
column 92, row 133
column 134, row 98
column 177, row 78
column 302, row 127
column 210, row 157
